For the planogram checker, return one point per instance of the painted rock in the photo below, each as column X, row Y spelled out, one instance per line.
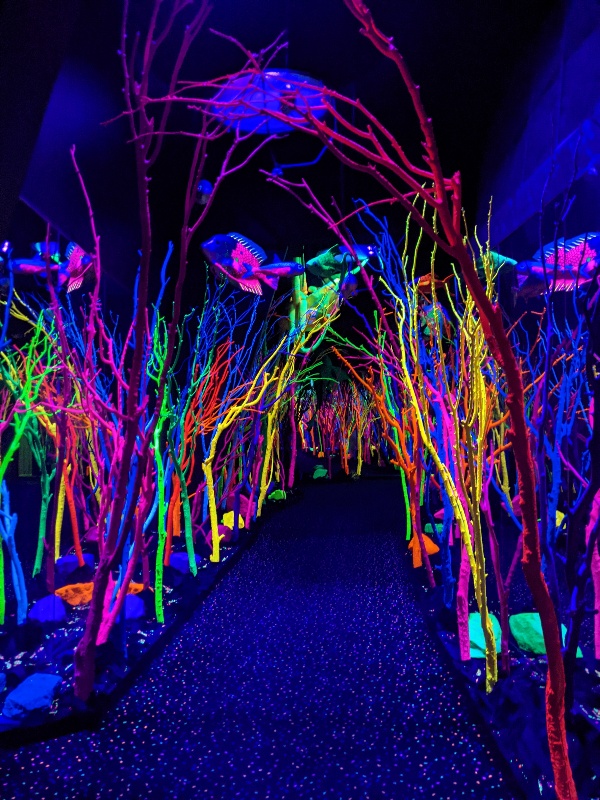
column 277, row 494
column 229, row 503
column 180, row 562
column 527, row 630
column 49, row 609
column 228, row 521
column 134, row 607
column 429, row 529
column 68, row 564
column 35, row 693
column 476, row 636
column 76, row 594
column 226, row 533
column 414, row 545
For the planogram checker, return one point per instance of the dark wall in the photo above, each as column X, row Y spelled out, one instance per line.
column 35, row 38
column 546, row 137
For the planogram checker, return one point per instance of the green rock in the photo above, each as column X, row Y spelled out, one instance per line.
column 476, row 637
column 277, row 494
column 320, row 472
column 438, row 529
column 527, row 630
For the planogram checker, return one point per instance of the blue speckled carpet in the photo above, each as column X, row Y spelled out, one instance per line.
column 307, row 673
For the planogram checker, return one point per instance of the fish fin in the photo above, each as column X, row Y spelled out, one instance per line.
column 256, row 251
column 590, row 239
column 74, row 284
column 251, row 285
column 71, row 248
column 270, row 280
column 523, row 270
column 531, row 287
column 283, row 269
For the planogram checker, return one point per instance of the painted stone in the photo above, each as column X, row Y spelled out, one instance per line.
column 476, row 636
column 229, row 523
column 226, row 533
column 134, row 607
column 527, row 630
column 78, row 594
column 230, row 502
column 49, row 609
column 429, row 529
column 68, row 564
column 414, row 545
column 35, row 693
column 180, row 562
column 278, row 494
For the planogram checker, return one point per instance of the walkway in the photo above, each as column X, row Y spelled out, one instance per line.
column 308, row 673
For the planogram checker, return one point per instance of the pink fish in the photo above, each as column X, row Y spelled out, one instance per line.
column 242, row 262
column 70, row 272
column 573, row 261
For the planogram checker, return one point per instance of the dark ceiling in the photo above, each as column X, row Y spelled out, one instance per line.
column 464, row 54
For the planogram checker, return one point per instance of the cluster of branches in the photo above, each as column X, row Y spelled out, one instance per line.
column 68, row 396
column 433, row 201
column 142, row 433
column 342, row 423
column 455, row 395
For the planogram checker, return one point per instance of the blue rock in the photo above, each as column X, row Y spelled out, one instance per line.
column 68, row 564
column 180, row 562
column 2, row 681
column 35, row 693
column 49, row 609
column 134, row 607
column 7, row 724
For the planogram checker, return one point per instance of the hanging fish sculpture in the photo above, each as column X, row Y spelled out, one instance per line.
column 79, row 264
column 332, row 262
column 47, row 256
column 573, row 262
column 241, row 262
column 425, row 284
column 432, row 316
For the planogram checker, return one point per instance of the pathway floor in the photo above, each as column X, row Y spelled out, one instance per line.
column 307, row 673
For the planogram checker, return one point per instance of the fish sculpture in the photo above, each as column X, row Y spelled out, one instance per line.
column 71, row 272
column 332, row 262
column 432, row 315
column 204, row 191
column 570, row 263
column 79, row 263
column 497, row 262
column 347, row 286
column 241, row 262
column 313, row 305
column 425, row 287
